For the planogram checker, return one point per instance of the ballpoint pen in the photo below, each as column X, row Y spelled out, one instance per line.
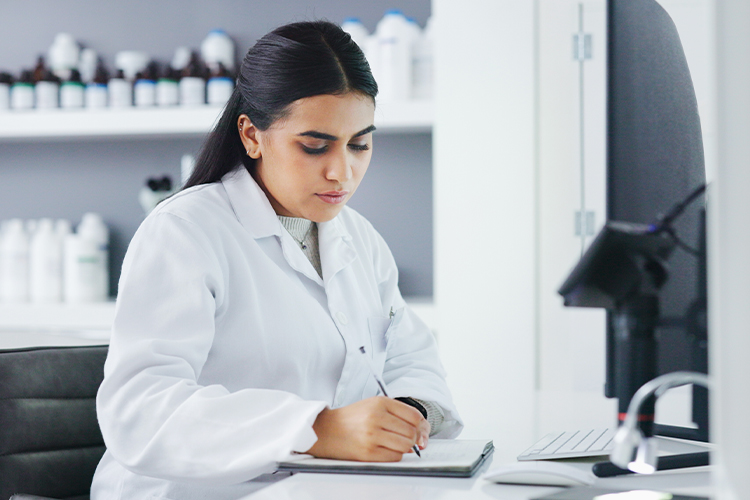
column 381, row 384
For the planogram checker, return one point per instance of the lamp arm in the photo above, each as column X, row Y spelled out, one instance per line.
column 659, row 386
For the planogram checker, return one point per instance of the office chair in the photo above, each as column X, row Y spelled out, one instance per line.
column 50, row 442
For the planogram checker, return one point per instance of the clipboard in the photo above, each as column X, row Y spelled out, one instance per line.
column 441, row 458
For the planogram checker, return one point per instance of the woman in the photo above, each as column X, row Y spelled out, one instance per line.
column 244, row 299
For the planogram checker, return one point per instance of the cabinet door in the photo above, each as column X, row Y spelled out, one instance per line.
column 572, row 208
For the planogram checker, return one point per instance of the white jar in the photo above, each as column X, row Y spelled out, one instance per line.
column 63, row 55
column 96, row 95
column 144, row 93
column 120, row 93
column 14, row 263
column 47, row 95
column 22, row 95
column 219, row 89
column 167, row 92
column 192, row 91
column 71, row 95
column 357, row 31
column 45, row 270
column 86, row 268
column 82, row 270
column 217, row 48
column 395, row 54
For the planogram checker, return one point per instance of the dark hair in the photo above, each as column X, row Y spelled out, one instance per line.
column 294, row 61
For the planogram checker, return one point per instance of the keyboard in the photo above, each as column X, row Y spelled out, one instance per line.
column 571, row 444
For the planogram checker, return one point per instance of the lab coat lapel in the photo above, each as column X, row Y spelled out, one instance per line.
column 250, row 204
column 336, row 248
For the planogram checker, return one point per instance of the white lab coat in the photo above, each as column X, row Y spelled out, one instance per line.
column 227, row 344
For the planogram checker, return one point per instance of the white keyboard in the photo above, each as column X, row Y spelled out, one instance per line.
column 571, row 444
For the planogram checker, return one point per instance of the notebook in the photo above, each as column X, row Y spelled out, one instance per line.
column 441, row 458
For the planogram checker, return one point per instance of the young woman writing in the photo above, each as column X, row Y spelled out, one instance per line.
column 244, row 299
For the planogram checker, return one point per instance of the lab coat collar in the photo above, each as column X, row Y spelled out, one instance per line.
column 250, row 204
column 257, row 216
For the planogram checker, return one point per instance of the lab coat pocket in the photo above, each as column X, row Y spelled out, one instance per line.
column 381, row 337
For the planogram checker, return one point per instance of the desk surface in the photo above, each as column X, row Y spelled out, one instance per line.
column 347, row 487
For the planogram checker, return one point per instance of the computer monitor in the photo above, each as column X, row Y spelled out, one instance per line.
column 654, row 161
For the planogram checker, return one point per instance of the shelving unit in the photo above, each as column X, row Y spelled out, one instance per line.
column 132, row 123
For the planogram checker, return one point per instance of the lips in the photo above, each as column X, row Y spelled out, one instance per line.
column 333, row 197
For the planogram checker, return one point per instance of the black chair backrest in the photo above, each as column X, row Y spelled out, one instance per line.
column 50, row 442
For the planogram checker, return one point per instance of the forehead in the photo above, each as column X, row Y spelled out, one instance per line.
column 339, row 115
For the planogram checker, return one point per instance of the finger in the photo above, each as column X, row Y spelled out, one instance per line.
column 396, row 442
column 405, row 412
column 398, row 426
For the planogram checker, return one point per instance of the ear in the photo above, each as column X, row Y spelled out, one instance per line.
column 249, row 137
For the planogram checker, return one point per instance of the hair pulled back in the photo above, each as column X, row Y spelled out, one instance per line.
column 292, row 62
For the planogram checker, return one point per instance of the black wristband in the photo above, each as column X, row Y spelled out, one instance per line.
column 414, row 403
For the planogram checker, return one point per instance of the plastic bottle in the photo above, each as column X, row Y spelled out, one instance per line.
column 63, row 55
column 218, row 48
column 46, row 87
column 167, row 87
column 357, row 31
column 144, row 89
column 45, row 258
column 96, row 90
column 6, row 80
column 120, row 91
column 14, row 263
column 395, row 53
column 220, row 86
column 193, row 83
column 72, row 91
column 422, row 64
column 86, row 276
column 88, row 64
column 22, row 92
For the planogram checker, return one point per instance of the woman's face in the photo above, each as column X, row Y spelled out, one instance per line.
column 311, row 162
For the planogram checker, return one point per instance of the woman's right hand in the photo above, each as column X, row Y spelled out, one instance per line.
column 377, row 429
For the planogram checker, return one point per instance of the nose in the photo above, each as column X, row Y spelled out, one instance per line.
column 339, row 168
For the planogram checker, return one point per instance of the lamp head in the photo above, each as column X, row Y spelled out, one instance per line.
column 626, row 442
column 645, row 458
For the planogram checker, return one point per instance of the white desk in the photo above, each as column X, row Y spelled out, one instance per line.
column 354, row 487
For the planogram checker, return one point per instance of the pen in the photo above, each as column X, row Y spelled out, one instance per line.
column 381, row 384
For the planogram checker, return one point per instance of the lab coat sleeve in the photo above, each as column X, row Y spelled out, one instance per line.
column 155, row 418
column 412, row 366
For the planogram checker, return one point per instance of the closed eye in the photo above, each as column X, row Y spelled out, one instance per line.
column 359, row 147
column 314, row 151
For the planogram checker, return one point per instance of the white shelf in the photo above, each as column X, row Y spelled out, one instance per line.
column 57, row 317
column 94, row 321
column 32, row 125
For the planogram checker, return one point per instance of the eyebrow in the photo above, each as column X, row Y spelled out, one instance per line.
column 328, row 137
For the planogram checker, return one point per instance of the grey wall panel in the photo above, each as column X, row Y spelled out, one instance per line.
column 67, row 178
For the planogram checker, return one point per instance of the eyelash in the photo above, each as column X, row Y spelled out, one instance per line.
column 320, row 151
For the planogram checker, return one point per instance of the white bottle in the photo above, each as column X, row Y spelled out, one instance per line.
column 187, row 164
column 395, row 54
column 422, row 64
column 357, row 31
column 5, row 83
column 217, row 48
column 86, row 276
column 14, row 263
column 72, row 91
column 120, row 91
column 47, row 94
column 45, row 264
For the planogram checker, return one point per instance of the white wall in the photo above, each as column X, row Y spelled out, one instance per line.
column 484, row 212
column 729, row 266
